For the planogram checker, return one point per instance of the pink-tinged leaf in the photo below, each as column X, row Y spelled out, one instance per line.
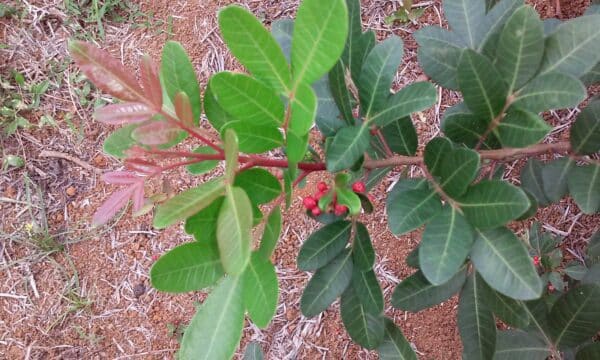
column 151, row 81
column 138, row 196
column 112, row 206
column 126, row 113
column 183, row 109
column 141, row 166
column 106, row 72
column 121, row 178
column 155, row 133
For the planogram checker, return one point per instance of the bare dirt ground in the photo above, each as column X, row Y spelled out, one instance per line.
column 70, row 292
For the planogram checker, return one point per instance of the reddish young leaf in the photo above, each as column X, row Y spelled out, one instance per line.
column 125, row 113
column 141, row 166
column 106, row 72
column 111, row 207
column 183, row 109
column 151, row 81
column 155, row 133
column 121, row 178
column 138, row 196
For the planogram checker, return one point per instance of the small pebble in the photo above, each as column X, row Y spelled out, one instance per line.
column 139, row 290
column 71, row 191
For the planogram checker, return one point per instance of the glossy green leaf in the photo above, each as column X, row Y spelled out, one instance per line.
column 119, row 141
column 435, row 150
column 296, row 146
column 574, row 47
column 271, row 233
column 521, row 128
column 253, row 352
column 493, row 24
column 187, row 203
column 215, row 113
column 326, row 285
column 365, row 328
column 415, row 293
column 412, row 98
column 233, row 230
column 511, row 311
column 520, row 345
column 283, row 30
column 203, row 224
column 205, row 165
column 254, row 47
column 347, row 147
column 216, row 328
column 260, row 185
column 492, row 203
column 465, row 18
column 575, row 271
column 320, row 32
column 323, row 245
column 349, row 198
column 592, row 77
column 394, row 345
column 575, row 317
column 367, row 289
column 555, row 175
column 533, row 181
column 358, row 44
column 328, row 119
column 304, row 109
column 362, row 248
column 439, row 53
column 401, row 136
column 585, row 132
column 255, row 139
column 247, row 99
column 458, row 169
column 584, row 186
column 340, row 92
column 177, row 75
column 260, row 290
column 462, row 126
column 592, row 276
column 482, row 86
column 476, row 321
column 408, row 210
column 445, row 244
column 550, row 91
column 502, row 260
column 188, row 267
column 589, row 352
column 521, row 47
column 378, row 71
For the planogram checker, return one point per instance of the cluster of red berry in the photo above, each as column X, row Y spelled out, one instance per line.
column 536, row 260
column 311, row 202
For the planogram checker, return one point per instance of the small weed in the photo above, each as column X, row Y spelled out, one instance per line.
column 91, row 338
column 176, row 330
column 406, row 13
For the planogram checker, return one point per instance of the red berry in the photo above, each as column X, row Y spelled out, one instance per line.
column 322, row 186
column 373, row 131
column 320, row 194
column 309, row 202
column 316, row 211
column 359, row 187
column 536, row 260
column 550, row 287
column 340, row 209
column 155, row 257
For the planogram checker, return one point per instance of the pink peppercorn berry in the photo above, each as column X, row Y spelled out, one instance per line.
column 359, row 187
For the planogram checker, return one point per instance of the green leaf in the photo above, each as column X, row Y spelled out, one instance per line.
column 492, row 203
column 555, row 175
column 296, row 146
column 512, row 312
column 247, row 99
column 394, row 345
column 482, row 86
column 378, row 71
column 260, row 290
column 320, row 32
column 476, row 320
column 550, row 91
column 465, row 18
column 347, row 147
column 521, row 47
column 520, row 345
column 205, row 165
column 216, row 115
column 445, row 244
column 283, row 30
column 574, row 47
column 233, row 230
column 340, row 92
column 584, row 186
column 323, row 245
column 521, row 128
column 349, row 198
column 120, row 140
column 231, row 154
column 304, row 109
column 415, row 293
column 575, row 317
column 328, row 119
column 253, row 352
column 414, row 97
column 365, row 328
column 254, row 47
column 367, row 288
column 203, row 224
column 458, row 169
column 401, row 136
column 503, row 262
column 435, row 150
column 575, row 271
column 593, row 76
column 188, row 267
column 177, row 75
column 362, row 248
column 462, row 126
column 187, row 203
column 358, row 45
column 260, row 185
column 255, row 139
column 592, row 276
column 533, row 181
column 588, row 352
column 271, row 233
column 585, row 132
column 408, row 210
column 493, row 24
column 439, row 53
column 533, row 207
column 326, row 285
column 216, row 329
